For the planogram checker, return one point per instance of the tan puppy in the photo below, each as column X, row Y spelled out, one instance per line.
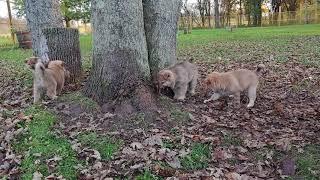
column 233, row 83
column 180, row 77
column 50, row 80
column 32, row 61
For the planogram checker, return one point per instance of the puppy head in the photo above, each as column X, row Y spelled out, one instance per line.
column 165, row 79
column 211, row 82
column 31, row 62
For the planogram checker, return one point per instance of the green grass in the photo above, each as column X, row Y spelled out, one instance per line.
column 206, row 36
column 13, row 66
column 6, row 41
column 308, row 163
column 179, row 115
column 253, row 44
column 198, row 157
column 79, row 98
column 40, row 140
column 106, row 146
column 86, row 45
column 147, row 175
column 229, row 140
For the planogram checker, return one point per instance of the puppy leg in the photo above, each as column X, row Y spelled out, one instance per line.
column 252, row 96
column 180, row 92
column 36, row 94
column 52, row 91
column 237, row 98
column 192, row 86
column 214, row 96
column 59, row 89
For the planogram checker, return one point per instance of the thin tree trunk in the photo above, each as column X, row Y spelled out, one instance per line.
column 216, row 14
column 240, row 9
column 209, row 13
column 42, row 14
column 120, row 58
column 64, row 45
column 160, row 22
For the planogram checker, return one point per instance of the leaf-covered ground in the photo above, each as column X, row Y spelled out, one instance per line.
column 73, row 138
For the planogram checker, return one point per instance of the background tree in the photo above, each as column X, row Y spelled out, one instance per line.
column 275, row 6
column 161, row 28
column 42, row 14
column 208, row 12
column 201, row 8
column 75, row 10
column 19, row 7
column 70, row 9
column 254, row 12
column 216, row 14
column 121, row 70
column 226, row 7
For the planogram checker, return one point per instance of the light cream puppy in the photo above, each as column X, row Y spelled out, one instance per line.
column 181, row 77
column 233, row 83
column 48, row 79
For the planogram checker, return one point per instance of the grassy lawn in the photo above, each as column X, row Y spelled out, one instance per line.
column 39, row 144
column 279, row 44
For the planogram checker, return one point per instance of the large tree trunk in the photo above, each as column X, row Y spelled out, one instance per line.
column 216, row 14
column 42, row 14
column 161, row 27
column 120, row 58
column 63, row 44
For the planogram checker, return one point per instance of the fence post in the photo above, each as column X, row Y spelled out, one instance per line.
column 10, row 21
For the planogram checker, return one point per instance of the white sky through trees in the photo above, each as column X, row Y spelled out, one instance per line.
column 4, row 11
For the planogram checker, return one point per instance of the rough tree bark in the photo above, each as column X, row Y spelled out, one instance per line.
column 42, row 14
column 63, row 44
column 161, row 26
column 120, row 57
column 216, row 14
column 120, row 73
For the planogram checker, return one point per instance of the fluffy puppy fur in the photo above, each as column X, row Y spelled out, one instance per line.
column 232, row 84
column 32, row 61
column 48, row 79
column 181, row 77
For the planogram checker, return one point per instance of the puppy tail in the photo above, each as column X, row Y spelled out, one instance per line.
column 39, row 68
column 260, row 68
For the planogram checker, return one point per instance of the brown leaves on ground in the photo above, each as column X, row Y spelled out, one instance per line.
column 285, row 117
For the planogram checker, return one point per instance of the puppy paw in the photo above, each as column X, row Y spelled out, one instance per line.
column 53, row 97
column 250, row 105
column 179, row 98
